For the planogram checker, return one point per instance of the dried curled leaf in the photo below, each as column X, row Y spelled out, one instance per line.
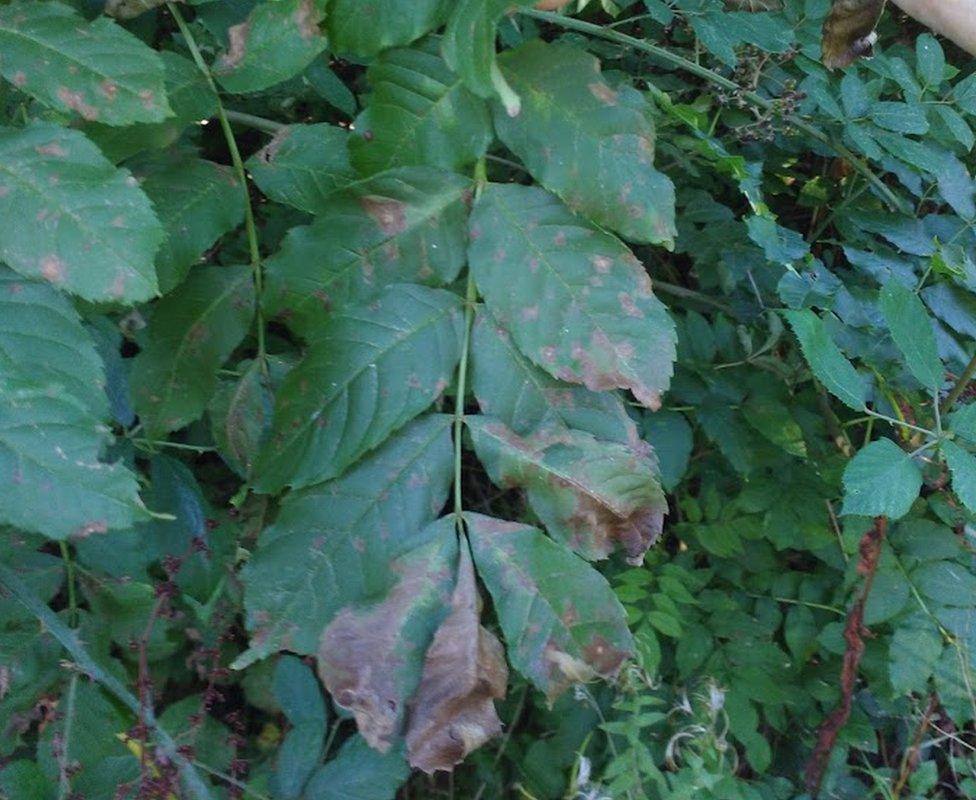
column 848, row 32
column 453, row 711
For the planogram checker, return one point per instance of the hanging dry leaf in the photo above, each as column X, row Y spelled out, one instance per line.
column 848, row 32
column 453, row 711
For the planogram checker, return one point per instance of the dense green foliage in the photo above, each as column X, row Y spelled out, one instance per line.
column 396, row 387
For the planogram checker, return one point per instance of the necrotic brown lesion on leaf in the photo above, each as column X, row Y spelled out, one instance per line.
column 453, row 711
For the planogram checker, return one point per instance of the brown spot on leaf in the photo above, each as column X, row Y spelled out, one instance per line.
column 20, row 79
column 52, row 268
column 388, row 213
column 530, row 313
column 237, row 46
column 148, row 99
column 453, row 712
column 307, row 19
column 52, row 149
column 603, row 93
column 95, row 526
column 76, row 102
column 602, row 263
column 109, row 88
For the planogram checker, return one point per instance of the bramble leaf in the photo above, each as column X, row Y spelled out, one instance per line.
column 575, row 300
column 96, row 69
column 561, row 620
column 881, row 479
column 911, row 328
column 830, row 366
column 358, row 771
column 93, row 233
column 963, row 467
column 395, row 23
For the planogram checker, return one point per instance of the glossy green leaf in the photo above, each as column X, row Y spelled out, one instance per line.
column 404, row 225
column 575, row 299
column 881, row 479
column 962, row 421
column 911, row 328
column 829, row 365
column 419, row 112
column 561, row 620
column 372, row 654
column 590, row 144
column 193, row 332
column 512, row 389
column 593, row 496
column 930, row 60
column 303, row 165
column 360, row 772
column 276, row 42
column 395, row 23
column 962, row 464
column 51, row 410
column 197, row 202
column 96, row 69
column 93, row 231
column 330, row 543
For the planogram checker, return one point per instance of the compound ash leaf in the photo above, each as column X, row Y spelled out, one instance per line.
column 192, row 332
column 369, row 370
column 95, row 69
column 590, row 144
column 330, row 544
column 403, row 225
column 593, row 496
column 371, row 656
column 575, row 300
column 276, row 42
column 93, row 231
column 303, row 165
column 509, row 387
column 562, row 622
column 453, row 710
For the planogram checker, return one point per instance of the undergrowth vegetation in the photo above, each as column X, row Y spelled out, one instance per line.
column 429, row 399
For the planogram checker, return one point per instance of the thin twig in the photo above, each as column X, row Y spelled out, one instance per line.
column 909, row 760
column 254, row 121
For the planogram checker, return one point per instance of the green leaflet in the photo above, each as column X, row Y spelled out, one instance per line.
column 911, row 328
column 331, row 543
column 240, row 417
column 98, row 70
column 419, row 112
column 963, row 422
column 52, row 404
column 93, row 233
column 590, row 144
column 276, row 42
column 194, row 330
column 593, row 496
column 403, row 225
column 197, row 202
column 962, row 464
column 303, row 165
column 575, row 300
column 359, row 771
column 300, row 697
column 562, row 622
column 523, row 396
column 881, row 479
column 830, row 366
column 395, row 23
column 368, row 370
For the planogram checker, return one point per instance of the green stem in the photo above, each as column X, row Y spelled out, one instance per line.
column 193, row 448
column 895, row 202
column 254, row 121
column 690, row 294
column 238, row 164
column 900, row 423
column 69, row 569
column 960, row 386
column 64, row 780
column 86, row 664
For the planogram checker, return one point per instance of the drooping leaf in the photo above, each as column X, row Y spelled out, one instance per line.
column 419, row 112
column 52, row 404
column 593, row 496
column 575, row 133
column 911, row 328
column 303, row 165
column 575, row 300
column 330, row 543
column 881, row 479
column 397, row 23
column 371, row 656
column 298, row 692
column 240, row 416
column 197, row 202
column 193, row 331
column 93, row 231
column 453, row 710
column 561, row 620
column 830, row 366
column 358, row 772
column 962, row 464
column 404, row 225
column 369, row 370
column 509, row 387
column 276, row 42
column 96, row 69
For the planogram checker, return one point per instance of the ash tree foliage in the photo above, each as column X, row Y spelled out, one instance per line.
column 577, row 403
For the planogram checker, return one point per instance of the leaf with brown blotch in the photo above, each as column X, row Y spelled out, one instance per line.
column 453, row 711
column 595, row 496
column 848, row 32
column 371, row 656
